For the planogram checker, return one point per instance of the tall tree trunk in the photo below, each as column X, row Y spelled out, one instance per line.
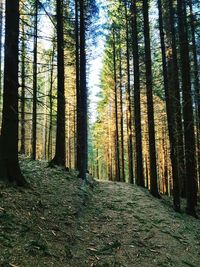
column 137, row 107
column 170, row 106
column 150, row 105
column 60, row 149
column 121, row 115
column 196, row 81
column 45, row 128
column 174, row 87
column 22, row 148
column 128, row 94
column 83, row 134
column 78, row 122
column 34, row 115
column 1, row 32
column 97, row 164
column 51, row 106
column 9, row 164
column 117, row 156
column 191, row 175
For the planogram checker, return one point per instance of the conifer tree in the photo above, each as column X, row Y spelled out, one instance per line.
column 9, row 163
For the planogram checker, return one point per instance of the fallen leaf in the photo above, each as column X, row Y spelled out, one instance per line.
column 153, row 250
column 92, row 249
column 53, row 233
column 13, row 265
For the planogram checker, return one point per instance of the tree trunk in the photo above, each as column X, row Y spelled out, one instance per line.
column 150, row 105
column 191, row 175
column 121, row 117
column 22, row 149
column 83, row 134
column 49, row 151
column 170, row 106
column 128, row 98
column 9, row 164
column 1, row 32
column 78, row 122
column 117, row 156
column 97, row 164
column 60, row 150
column 137, row 106
column 34, row 118
column 174, row 87
column 196, row 81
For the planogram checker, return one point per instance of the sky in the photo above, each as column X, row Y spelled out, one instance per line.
column 94, row 61
column 95, row 66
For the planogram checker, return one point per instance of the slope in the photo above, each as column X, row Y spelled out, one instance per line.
column 61, row 221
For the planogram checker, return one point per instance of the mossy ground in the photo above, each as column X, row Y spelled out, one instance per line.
column 60, row 221
column 36, row 224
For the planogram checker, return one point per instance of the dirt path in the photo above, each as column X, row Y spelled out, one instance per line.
column 124, row 226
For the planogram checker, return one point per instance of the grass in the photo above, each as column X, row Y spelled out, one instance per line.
column 61, row 221
column 36, row 224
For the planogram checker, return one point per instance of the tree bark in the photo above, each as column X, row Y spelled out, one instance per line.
column 150, row 105
column 49, row 150
column 170, row 106
column 78, row 122
column 1, row 32
column 83, row 133
column 137, row 106
column 22, row 148
column 117, row 156
column 196, row 81
column 9, row 163
column 128, row 98
column 174, row 87
column 190, row 149
column 60, row 150
column 34, row 118
column 121, row 116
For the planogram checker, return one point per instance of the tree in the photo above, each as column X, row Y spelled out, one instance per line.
column 23, row 85
column 9, row 163
column 117, row 156
column 190, row 149
column 137, row 107
column 60, row 150
column 78, row 122
column 82, row 132
column 121, row 112
column 35, row 68
column 128, row 96
column 170, row 106
column 196, row 79
column 1, row 31
column 150, row 106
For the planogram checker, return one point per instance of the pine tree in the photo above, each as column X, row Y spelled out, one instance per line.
column 150, row 106
column 60, row 150
column 82, row 156
column 35, row 68
column 137, row 107
column 170, row 106
column 9, row 163
column 190, row 149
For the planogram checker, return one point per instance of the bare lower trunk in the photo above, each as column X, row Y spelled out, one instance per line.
column 150, row 105
column 60, row 153
column 9, row 164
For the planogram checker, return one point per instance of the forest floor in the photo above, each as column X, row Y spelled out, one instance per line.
column 61, row 221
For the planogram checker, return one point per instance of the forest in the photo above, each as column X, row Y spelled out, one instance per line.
column 99, row 133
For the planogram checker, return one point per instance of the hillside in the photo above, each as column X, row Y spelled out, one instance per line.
column 61, row 221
